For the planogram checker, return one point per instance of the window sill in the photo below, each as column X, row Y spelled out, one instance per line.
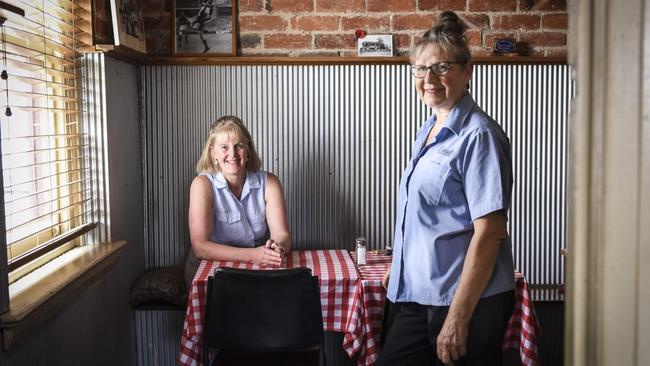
column 39, row 295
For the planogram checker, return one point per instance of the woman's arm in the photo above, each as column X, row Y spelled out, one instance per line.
column 276, row 215
column 200, row 223
column 489, row 233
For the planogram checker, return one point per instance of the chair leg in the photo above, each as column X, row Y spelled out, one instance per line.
column 214, row 356
column 321, row 353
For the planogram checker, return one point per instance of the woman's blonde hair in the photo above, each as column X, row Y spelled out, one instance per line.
column 447, row 35
column 233, row 126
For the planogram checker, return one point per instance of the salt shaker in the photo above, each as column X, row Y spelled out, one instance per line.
column 361, row 250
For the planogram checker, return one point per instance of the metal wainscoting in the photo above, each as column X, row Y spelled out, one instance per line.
column 158, row 336
column 338, row 137
column 532, row 104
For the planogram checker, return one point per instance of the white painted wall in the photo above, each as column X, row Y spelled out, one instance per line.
column 609, row 228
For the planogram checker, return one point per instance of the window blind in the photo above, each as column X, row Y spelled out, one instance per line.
column 45, row 145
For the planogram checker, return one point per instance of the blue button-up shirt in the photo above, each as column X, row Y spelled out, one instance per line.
column 461, row 175
column 239, row 222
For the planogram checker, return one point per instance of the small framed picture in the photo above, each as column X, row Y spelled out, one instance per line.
column 204, row 27
column 375, row 46
column 128, row 25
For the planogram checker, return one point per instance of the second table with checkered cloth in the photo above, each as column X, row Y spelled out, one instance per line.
column 338, row 279
column 362, row 336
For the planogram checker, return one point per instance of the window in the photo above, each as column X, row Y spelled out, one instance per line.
column 46, row 140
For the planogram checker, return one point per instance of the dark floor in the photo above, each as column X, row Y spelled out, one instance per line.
column 550, row 315
column 261, row 359
column 550, row 345
column 331, row 354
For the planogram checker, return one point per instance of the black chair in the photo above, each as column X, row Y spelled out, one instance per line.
column 272, row 312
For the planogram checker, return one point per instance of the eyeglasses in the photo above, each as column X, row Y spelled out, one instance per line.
column 439, row 69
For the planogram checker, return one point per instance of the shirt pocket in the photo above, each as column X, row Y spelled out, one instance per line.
column 258, row 223
column 228, row 217
column 437, row 172
column 258, row 217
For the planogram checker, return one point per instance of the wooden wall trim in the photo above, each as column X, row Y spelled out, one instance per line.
column 271, row 60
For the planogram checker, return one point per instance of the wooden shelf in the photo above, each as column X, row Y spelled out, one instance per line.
column 278, row 60
column 127, row 55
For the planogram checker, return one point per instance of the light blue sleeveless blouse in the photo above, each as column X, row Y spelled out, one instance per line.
column 240, row 223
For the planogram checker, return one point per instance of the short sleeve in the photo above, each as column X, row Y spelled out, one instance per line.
column 487, row 167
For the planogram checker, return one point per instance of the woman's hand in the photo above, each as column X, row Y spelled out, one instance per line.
column 272, row 244
column 452, row 340
column 489, row 233
column 384, row 280
column 265, row 256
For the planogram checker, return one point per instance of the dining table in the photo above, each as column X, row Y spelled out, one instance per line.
column 338, row 279
column 363, row 333
column 352, row 302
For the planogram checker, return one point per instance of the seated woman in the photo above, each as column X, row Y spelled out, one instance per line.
column 234, row 205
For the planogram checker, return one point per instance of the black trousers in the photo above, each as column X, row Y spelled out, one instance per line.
column 413, row 330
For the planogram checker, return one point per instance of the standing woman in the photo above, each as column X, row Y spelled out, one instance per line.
column 237, row 211
column 452, row 272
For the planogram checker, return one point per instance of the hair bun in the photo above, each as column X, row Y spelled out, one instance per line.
column 451, row 22
column 446, row 35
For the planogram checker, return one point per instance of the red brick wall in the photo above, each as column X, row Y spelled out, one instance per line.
column 326, row 27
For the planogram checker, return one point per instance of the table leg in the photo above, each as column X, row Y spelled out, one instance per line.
column 334, row 353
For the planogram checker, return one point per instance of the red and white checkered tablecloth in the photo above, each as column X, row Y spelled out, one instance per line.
column 337, row 275
column 364, row 327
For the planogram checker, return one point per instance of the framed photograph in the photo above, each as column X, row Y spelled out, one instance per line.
column 204, row 27
column 102, row 23
column 128, row 25
column 375, row 46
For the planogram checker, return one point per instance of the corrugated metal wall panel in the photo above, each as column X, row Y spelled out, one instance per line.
column 338, row 137
column 158, row 338
column 532, row 104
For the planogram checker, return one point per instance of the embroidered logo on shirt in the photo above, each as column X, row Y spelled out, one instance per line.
column 444, row 151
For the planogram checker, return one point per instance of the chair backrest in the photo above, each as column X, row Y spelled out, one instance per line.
column 263, row 310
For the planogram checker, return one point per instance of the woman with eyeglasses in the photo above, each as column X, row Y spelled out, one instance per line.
column 237, row 211
column 452, row 277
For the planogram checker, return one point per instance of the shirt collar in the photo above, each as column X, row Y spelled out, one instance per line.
column 220, row 181
column 252, row 181
column 459, row 113
column 456, row 117
column 454, row 121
